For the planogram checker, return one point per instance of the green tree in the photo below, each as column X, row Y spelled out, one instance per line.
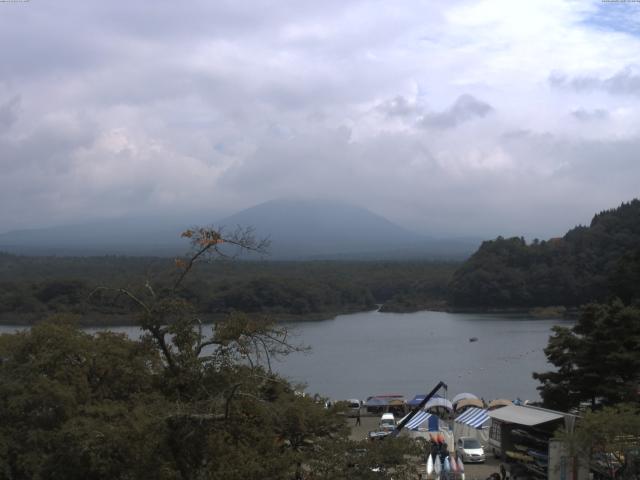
column 597, row 360
column 610, row 438
column 588, row 264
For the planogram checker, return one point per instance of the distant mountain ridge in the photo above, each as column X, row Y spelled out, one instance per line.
column 587, row 264
column 299, row 229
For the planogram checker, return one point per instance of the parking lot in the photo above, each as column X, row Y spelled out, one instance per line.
column 478, row 471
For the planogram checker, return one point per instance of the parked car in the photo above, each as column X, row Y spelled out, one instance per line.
column 353, row 407
column 387, row 422
column 469, row 450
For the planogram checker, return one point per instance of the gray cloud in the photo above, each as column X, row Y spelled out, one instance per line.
column 590, row 115
column 624, row 82
column 9, row 112
column 111, row 109
column 465, row 108
column 399, row 107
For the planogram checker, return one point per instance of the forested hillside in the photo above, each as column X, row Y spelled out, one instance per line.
column 587, row 264
column 32, row 288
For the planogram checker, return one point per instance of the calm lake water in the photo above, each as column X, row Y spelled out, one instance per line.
column 362, row 354
column 357, row 355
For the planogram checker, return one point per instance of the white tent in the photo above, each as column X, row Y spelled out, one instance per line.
column 462, row 396
column 474, row 423
column 439, row 402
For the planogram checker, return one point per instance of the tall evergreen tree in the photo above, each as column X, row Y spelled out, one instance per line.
column 597, row 360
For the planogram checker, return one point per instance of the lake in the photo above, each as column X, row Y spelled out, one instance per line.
column 357, row 355
column 361, row 354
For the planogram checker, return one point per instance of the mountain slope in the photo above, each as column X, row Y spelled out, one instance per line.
column 321, row 229
column 587, row 264
column 125, row 236
column 298, row 229
column 317, row 228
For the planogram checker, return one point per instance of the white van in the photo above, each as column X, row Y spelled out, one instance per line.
column 353, row 407
column 387, row 422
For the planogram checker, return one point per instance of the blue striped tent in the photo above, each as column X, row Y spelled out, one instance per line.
column 473, row 422
column 421, row 418
column 474, row 417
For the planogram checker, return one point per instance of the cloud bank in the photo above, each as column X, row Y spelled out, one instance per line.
column 458, row 117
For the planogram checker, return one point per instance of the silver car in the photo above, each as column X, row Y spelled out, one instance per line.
column 470, row 450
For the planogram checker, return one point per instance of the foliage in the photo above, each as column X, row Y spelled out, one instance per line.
column 597, row 360
column 610, row 437
column 33, row 287
column 588, row 264
column 181, row 402
column 347, row 459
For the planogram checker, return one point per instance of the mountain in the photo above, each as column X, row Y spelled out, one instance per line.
column 587, row 264
column 124, row 236
column 298, row 230
column 322, row 229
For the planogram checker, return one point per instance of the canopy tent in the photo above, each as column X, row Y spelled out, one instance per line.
column 420, row 419
column 528, row 416
column 384, row 400
column 462, row 396
column 415, row 401
column 381, row 403
column 500, row 402
column 473, row 423
column 439, row 402
column 469, row 402
column 474, row 417
column 376, row 402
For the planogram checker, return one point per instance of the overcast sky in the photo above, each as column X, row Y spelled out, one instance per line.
column 449, row 117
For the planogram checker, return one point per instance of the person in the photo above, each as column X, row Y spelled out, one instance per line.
column 503, row 472
column 358, row 418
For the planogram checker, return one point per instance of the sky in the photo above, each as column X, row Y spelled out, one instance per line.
column 448, row 117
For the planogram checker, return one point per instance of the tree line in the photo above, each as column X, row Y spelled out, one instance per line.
column 588, row 264
column 33, row 287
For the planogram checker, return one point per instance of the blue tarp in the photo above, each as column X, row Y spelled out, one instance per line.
column 376, row 402
column 474, row 417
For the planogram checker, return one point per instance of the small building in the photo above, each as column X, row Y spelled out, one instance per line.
column 523, row 436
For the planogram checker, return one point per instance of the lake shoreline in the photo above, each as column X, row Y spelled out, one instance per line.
column 131, row 320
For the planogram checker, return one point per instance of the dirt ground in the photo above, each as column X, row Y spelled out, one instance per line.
column 479, row 471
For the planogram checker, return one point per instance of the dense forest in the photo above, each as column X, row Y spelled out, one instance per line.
column 588, row 264
column 32, row 288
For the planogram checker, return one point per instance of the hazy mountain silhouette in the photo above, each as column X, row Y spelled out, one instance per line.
column 298, row 229
column 323, row 229
column 123, row 236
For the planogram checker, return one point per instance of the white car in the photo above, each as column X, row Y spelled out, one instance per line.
column 470, row 450
column 387, row 422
